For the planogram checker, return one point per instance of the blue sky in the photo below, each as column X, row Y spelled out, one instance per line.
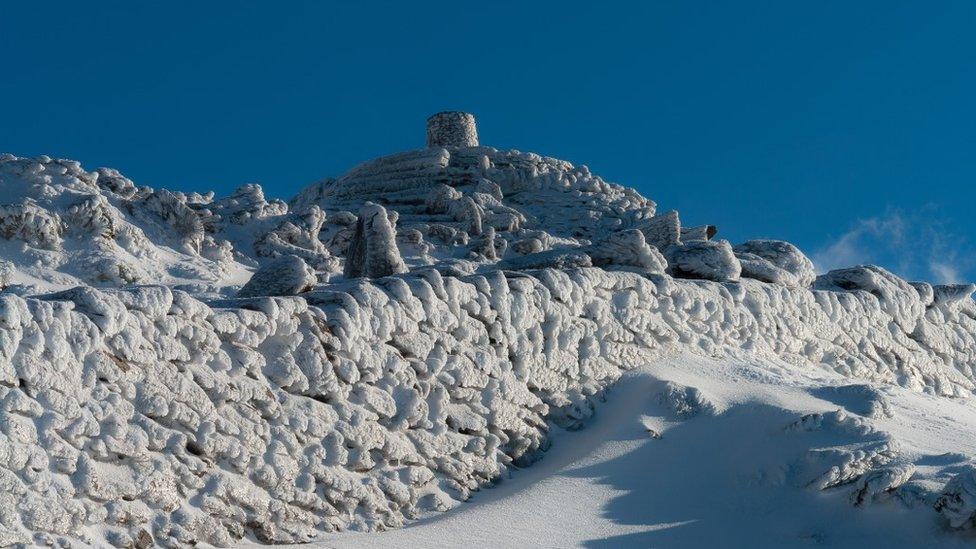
column 846, row 128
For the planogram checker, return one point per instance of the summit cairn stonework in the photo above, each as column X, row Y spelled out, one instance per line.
column 452, row 129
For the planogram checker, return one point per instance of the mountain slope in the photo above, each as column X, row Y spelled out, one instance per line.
column 726, row 479
column 178, row 369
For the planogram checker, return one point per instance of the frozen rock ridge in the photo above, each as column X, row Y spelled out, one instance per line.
column 177, row 368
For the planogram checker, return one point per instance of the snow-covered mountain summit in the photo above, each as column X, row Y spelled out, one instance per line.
column 454, row 205
column 177, row 368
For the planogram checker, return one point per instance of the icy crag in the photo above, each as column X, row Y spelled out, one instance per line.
column 177, row 369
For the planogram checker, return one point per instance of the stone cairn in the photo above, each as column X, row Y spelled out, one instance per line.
column 452, row 129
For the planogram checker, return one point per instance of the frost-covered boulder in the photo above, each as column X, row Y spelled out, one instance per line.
column 530, row 245
column 248, row 204
column 683, row 402
column 875, row 484
column 174, row 209
column 867, row 450
column 957, row 502
column 775, row 261
column 298, row 234
column 952, row 294
column 440, row 197
column 286, row 275
column 628, row 248
column 703, row 259
column 93, row 217
column 29, row 222
column 896, row 297
column 487, row 246
column 373, row 251
column 662, row 231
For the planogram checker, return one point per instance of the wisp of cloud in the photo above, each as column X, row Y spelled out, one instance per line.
column 915, row 245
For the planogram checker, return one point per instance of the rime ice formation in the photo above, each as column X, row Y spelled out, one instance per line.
column 285, row 275
column 705, row 259
column 455, row 303
column 958, row 499
column 373, row 250
column 775, row 261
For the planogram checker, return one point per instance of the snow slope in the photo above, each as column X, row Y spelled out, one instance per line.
column 179, row 369
column 712, row 480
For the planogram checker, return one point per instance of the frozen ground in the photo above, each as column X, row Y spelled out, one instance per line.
column 712, row 480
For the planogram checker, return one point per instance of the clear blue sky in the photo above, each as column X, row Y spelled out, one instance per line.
column 845, row 127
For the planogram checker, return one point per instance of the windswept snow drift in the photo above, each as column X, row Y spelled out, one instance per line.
column 730, row 475
column 498, row 293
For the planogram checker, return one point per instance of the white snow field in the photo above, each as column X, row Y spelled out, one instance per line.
column 178, row 369
column 729, row 475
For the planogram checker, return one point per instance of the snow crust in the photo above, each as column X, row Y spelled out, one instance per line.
column 161, row 383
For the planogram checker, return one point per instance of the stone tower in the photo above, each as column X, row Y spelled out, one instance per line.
column 452, row 129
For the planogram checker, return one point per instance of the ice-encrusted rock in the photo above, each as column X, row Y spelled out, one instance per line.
column 298, row 234
column 897, row 297
column 925, row 292
column 703, row 259
column 530, row 245
column 684, row 402
column 286, row 275
column 487, row 246
column 248, row 204
column 32, row 224
column 628, row 248
column 662, row 231
column 440, row 198
column 877, row 483
column 762, row 269
column 173, row 209
column 957, row 502
column 701, row 232
column 869, row 450
column 373, row 251
column 950, row 295
column 452, row 129
column 469, row 214
column 775, row 261
column 836, row 421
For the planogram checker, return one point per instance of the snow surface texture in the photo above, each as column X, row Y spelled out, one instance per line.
column 454, row 306
column 644, row 474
